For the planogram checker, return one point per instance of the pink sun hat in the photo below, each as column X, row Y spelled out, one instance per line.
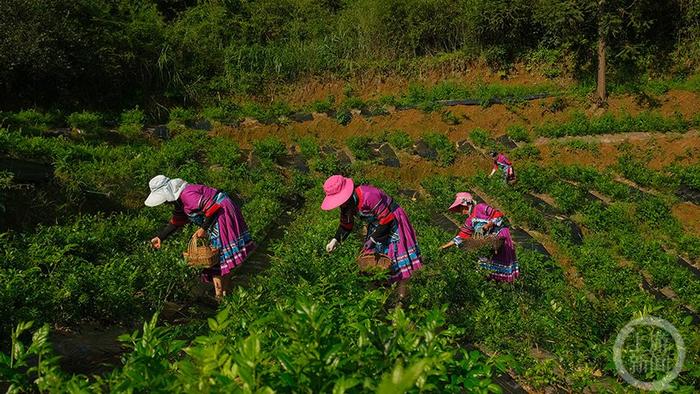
column 338, row 189
column 461, row 199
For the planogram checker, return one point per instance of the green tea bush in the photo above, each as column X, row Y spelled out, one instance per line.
column 178, row 116
column 446, row 150
column 480, row 138
column 89, row 123
column 343, row 116
column 359, row 146
column 132, row 121
column 449, row 118
column 309, row 147
column 269, row 149
column 647, row 121
column 29, row 121
column 526, row 152
column 323, row 106
column 518, row 133
column 400, row 139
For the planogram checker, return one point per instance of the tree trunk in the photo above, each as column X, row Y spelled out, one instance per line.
column 601, row 93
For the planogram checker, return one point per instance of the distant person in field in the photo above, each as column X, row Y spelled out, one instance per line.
column 501, row 162
column 217, row 216
column 389, row 231
column 485, row 220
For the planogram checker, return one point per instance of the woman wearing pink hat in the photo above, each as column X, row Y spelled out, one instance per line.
column 501, row 162
column 482, row 218
column 388, row 228
column 218, row 217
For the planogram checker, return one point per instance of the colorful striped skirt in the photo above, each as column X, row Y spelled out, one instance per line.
column 504, row 264
column 230, row 235
column 402, row 247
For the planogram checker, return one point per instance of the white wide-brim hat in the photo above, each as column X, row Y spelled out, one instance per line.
column 164, row 189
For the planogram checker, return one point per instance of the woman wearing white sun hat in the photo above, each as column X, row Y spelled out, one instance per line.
column 216, row 214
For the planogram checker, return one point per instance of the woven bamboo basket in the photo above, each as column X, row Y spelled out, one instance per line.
column 491, row 241
column 373, row 262
column 200, row 254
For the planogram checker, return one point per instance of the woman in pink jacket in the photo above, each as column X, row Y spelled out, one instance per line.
column 216, row 215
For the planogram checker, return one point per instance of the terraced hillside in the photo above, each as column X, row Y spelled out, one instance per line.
column 605, row 215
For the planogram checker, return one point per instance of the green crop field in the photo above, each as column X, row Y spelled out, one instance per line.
column 265, row 100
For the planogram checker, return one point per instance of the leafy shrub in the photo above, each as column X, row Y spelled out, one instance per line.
column 400, row 139
column 178, row 116
column 359, row 146
column 308, row 146
column 29, row 121
column 449, row 118
column 343, row 116
column 87, row 122
column 221, row 113
column 481, row 138
column 323, row 106
column 224, row 152
column 352, row 103
column 269, row 149
column 518, row 133
column 132, row 121
column 580, row 124
column 528, row 151
column 444, row 147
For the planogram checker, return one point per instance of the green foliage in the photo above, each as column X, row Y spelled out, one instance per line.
column 526, row 152
column 449, row 118
column 400, row 139
column 343, row 116
column 119, row 54
column 482, row 139
column 518, row 133
column 30, row 121
column 359, row 146
column 89, row 123
column 269, row 149
column 444, row 147
column 178, row 116
column 132, row 121
column 323, row 106
column 580, row 124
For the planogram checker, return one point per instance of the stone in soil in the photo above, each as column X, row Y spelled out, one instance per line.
column 688, row 194
column 61, row 132
column 301, row 117
column 443, row 222
column 388, row 156
column 465, row 147
column 423, row 150
column 410, row 194
column 296, row 161
column 199, row 124
column 542, row 205
column 685, row 263
column 526, row 241
column 576, row 234
column 507, row 142
column 161, row 131
column 27, row 171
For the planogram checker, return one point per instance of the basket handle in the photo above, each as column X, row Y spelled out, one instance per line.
column 193, row 243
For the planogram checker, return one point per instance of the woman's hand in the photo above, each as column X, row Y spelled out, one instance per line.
column 447, row 245
column 332, row 245
column 155, row 243
column 200, row 233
